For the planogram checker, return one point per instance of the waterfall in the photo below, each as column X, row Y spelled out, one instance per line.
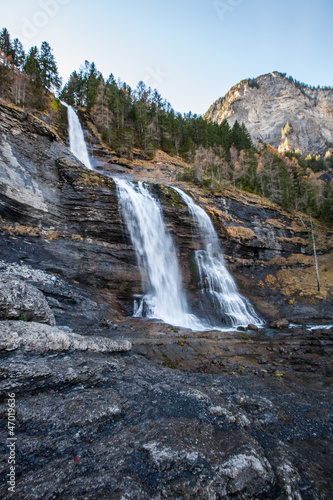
column 164, row 298
column 216, row 282
column 76, row 138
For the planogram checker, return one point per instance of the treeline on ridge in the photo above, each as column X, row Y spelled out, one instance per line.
column 27, row 79
column 141, row 118
column 218, row 155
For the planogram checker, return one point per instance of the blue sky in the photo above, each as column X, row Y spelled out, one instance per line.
column 192, row 51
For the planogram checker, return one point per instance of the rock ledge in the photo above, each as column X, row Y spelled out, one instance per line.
column 44, row 338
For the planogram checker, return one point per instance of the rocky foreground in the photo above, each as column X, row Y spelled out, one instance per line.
column 181, row 415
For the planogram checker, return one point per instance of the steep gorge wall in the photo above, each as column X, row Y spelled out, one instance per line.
column 59, row 217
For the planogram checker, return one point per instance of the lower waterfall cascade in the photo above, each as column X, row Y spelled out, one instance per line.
column 217, row 284
column 164, row 296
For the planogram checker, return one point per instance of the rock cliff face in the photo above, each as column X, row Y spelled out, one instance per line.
column 59, row 217
column 267, row 104
column 67, row 216
column 265, row 248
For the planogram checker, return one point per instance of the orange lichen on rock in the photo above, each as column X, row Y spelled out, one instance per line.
column 240, row 233
column 277, row 223
column 294, row 260
column 15, row 229
column 303, row 283
column 271, row 282
column 294, row 241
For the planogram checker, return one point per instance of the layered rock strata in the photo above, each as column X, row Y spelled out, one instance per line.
column 59, row 217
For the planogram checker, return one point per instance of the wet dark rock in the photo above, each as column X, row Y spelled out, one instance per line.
column 253, row 327
column 84, row 407
column 104, row 424
column 279, row 323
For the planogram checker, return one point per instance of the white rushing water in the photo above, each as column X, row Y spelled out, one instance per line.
column 76, row 137
column 215, row 280
column 164, row 297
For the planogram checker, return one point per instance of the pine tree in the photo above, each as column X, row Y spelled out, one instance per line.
column 48, row 68
column 5, row 79
column 240, row 137
column 93, row 80
column 6, row 47
column 18, row 54
column 32, row 67
column 33, row 70
column 246, row 138
column 236, row 132
column 327, row 208
column 69, row 92
column 141, row 114
column 224, row 132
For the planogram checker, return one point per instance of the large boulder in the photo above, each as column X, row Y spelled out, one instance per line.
column 18, row 300
column 280, row 324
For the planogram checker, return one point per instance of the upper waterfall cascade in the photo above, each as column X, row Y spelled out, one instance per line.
column 76, row 138
column 164, row 297
column 215, row 280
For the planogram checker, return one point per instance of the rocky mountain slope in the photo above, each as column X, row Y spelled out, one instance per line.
column 230, row 415
column 268, row 103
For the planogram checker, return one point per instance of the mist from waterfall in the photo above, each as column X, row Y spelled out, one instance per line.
column 164, row 297
column 76, row 138
column 216, row 283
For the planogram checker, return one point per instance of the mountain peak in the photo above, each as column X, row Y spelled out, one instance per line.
column 267, row 103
